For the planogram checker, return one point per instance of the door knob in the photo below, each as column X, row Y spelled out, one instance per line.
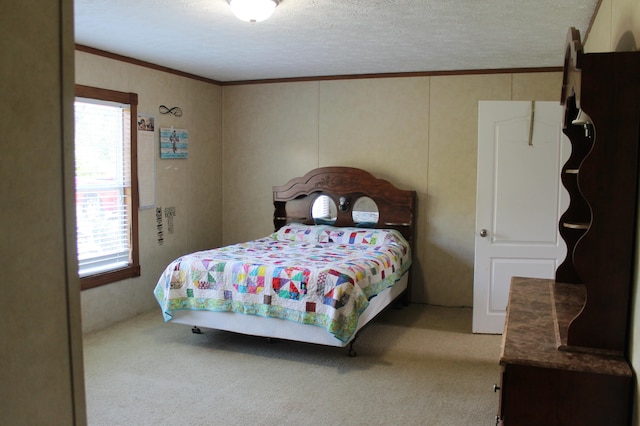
column 483, row 233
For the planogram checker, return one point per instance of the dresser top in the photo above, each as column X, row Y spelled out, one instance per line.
column 530, row 335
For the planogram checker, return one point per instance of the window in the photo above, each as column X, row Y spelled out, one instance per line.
column 105, row 182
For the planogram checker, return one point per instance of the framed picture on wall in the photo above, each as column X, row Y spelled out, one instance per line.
column 174, row 143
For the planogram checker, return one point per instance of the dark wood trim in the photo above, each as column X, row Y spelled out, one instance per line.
column 130, row 60
column 135, row 199
column 138, row 62
column 98, row 280
column 395, row 75
column 107, row 95
column 133, row 269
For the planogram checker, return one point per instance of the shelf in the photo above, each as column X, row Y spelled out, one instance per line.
column 576, row 225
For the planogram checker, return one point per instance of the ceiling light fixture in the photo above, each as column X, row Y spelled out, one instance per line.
column 253, row 10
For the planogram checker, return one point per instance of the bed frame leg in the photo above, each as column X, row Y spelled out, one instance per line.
column 196, row 330
column 352, row 352
column 405, row 297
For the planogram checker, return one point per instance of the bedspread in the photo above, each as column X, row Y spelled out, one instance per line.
column 318, row 275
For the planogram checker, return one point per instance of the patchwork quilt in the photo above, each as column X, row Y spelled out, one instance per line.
column 318, row 275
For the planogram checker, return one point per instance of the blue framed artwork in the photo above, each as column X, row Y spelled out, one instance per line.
column 174, row 143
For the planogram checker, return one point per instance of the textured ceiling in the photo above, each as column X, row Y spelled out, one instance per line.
column 312, row 38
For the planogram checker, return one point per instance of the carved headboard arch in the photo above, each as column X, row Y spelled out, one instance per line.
column 293, row 201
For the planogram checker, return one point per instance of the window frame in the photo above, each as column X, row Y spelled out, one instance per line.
column 133, row 268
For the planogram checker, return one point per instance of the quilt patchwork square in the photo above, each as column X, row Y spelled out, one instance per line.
column 290, row 282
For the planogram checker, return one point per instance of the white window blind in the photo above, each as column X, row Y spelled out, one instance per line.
column 103, row 182
column 320, row 208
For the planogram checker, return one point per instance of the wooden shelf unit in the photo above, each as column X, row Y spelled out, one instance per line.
column 564, row 347
column 603, row 192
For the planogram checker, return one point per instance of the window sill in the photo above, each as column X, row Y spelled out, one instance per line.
column 103, row 278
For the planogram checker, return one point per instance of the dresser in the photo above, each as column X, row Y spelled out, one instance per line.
column 563, row 359
column 542, row 385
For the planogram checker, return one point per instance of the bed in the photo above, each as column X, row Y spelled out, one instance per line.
column 340, row 254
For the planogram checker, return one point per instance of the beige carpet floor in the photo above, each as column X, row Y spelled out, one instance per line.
column 419, row 365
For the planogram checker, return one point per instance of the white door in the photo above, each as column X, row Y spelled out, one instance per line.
column 520, row 199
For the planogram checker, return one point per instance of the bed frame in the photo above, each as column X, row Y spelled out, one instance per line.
column 293, row 202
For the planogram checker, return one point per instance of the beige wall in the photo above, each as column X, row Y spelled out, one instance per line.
column 617, row 28
column 192, row 186
column 41, row 379
column 419, row 133
column 273, row 132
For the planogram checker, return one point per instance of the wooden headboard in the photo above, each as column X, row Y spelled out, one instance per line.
column 294, row 200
